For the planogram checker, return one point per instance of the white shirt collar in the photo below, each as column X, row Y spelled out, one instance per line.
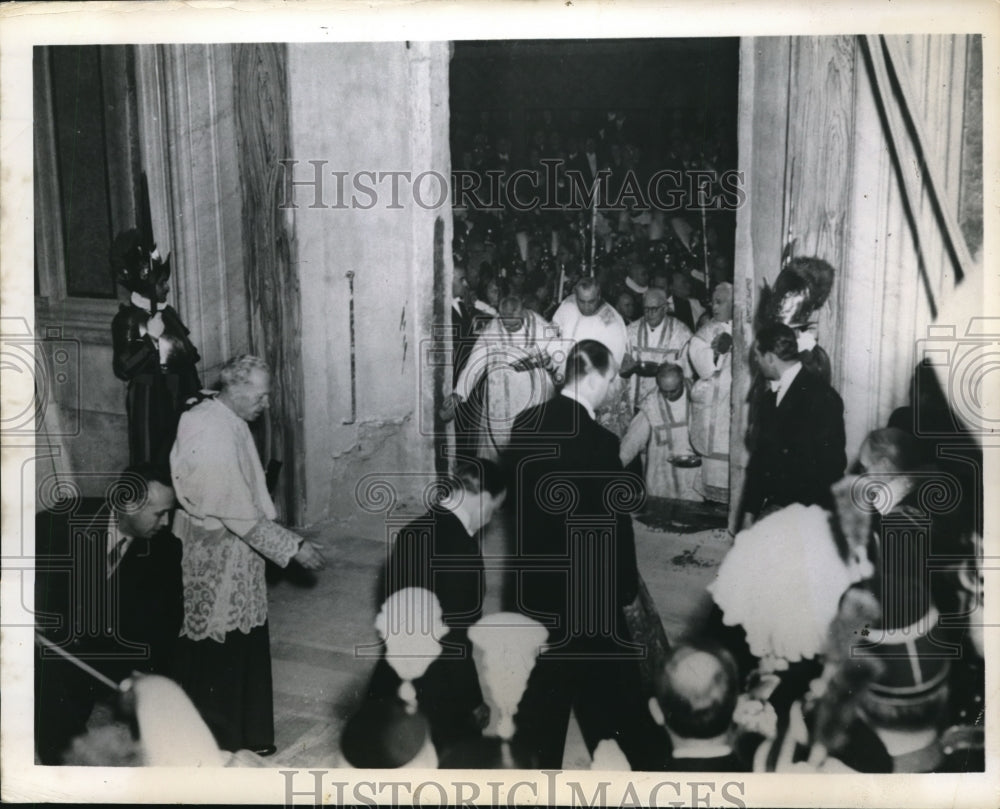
column 634, row 286
column 569, row 393
column 781, row 385
column 142, row 302
column 699, row 748
column 460, row 510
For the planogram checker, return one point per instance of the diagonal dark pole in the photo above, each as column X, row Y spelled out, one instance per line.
column 895, row 139
column 953, row 236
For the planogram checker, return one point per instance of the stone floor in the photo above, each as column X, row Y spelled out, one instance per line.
column 321, row 625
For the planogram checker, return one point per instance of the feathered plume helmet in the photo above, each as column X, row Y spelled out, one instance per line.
column 801, row 288
column 135, row 266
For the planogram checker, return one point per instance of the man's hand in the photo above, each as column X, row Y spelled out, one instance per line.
column 309, row 556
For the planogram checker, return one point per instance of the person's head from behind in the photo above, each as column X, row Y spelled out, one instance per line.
column 588, row 296
column 590, row 370
column 478, row 487
column 775, row 349
column 143, row 500
column 245, row 383
column 670, row 381
column 660, row 280
column 384, row 734
column 890, row 452
column 696, row 692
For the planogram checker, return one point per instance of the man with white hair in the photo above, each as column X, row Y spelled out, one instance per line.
column 227, row 530
column 656, row 338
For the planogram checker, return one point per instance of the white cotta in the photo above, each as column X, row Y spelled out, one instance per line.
column 782, row 581
column 506, row 646
column 411, row 624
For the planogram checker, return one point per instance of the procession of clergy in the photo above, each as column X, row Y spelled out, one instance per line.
column 668, row 406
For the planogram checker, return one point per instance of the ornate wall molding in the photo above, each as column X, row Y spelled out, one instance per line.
column 260, row 96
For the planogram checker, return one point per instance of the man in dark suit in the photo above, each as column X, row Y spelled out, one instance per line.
column 799, row 446
column 108, row 591
column 441, row 552
column 577, row 569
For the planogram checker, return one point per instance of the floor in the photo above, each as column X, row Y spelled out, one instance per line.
column 321, row 625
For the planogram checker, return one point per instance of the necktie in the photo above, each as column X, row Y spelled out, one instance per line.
column 115, row 554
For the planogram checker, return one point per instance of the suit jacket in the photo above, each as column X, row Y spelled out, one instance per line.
column 436, row 552
column 134, row 615
column 799, row 450
column 128, row 621
column 570, row 490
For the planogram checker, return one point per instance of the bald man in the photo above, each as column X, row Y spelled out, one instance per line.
column 660, row 428
column 695, row 699
column 711, row 358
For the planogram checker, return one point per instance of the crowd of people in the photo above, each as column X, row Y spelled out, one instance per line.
column 592, row 353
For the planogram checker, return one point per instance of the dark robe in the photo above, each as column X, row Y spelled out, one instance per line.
column 436, row 553
column 128, row 621
column 156, row 393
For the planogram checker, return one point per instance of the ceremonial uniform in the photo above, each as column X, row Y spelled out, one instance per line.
column 161, row 375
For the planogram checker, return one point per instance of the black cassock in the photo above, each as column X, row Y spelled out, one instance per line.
column 435, row 552
column 577, row 572
column 156, row 393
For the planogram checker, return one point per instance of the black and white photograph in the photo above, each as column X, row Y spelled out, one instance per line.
column 580, row 404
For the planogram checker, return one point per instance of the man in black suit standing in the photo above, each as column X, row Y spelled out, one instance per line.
column 799, row 445
column 108, row 591
column 577, row 569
